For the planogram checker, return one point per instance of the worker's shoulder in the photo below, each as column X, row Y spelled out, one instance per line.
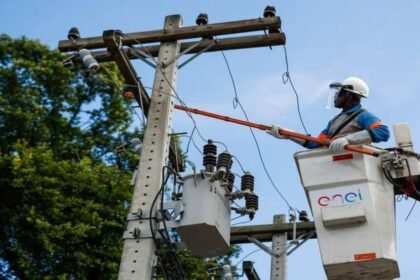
column 367, row 117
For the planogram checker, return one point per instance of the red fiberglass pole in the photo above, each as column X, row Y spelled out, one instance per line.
column 268, row 127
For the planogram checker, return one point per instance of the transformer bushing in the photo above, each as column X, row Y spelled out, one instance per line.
column 247, row 182
column 251, row 201
column 209, row 158
column 230, row 181
column 224, row 160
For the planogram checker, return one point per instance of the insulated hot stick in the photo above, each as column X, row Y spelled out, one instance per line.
column 266, row 127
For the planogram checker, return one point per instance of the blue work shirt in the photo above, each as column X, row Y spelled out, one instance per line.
column 364, row 121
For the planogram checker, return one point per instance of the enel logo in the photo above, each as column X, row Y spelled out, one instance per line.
column 339, row 199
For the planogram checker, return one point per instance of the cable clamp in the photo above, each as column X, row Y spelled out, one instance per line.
column 139, row 215
column 137, row 233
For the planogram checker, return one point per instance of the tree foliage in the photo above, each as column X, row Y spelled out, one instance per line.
column 62, row 188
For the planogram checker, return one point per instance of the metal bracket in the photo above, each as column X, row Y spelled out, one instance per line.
column 139, row 215
column 144, row 57
column 262, row 246
column 137, row 234
column 305, row 237
column 133, row 178
column 212, row 43
column 197, row 54
column 169, row 224
column 178, row 207
column 164, row 65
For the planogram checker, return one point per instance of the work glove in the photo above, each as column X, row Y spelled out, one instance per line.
column 337, row 146
column 275, row 132
column 361, row 137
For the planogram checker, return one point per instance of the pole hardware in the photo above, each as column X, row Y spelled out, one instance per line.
column 166, row 35
column 137, row 233
column 139, row 215
column 165, row 46
column 263, row 247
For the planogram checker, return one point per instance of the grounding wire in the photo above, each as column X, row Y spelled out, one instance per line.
column 287, row 78
column 252, row 132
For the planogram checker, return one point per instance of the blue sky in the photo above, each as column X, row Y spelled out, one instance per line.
column 326, row 41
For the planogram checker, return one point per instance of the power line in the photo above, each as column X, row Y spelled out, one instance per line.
column 170, row 84
column 287, row 78
column 236, row 99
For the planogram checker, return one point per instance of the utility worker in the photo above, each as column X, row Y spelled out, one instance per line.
column 353, row 125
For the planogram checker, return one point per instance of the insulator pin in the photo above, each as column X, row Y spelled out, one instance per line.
column 73, row 34
column 202, row 19
column 303, row 216
column 269, row 11
column 89, row 61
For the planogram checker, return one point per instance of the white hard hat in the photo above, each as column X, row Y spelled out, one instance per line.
column 354, row 85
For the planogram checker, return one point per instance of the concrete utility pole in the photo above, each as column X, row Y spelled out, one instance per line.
column 279, row 246
column 278, row 233
column 138, row 256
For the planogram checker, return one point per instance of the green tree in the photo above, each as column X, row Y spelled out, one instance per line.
column 62, row 188
column 64, row 192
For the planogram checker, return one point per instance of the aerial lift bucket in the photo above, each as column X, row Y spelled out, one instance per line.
column 354, row 213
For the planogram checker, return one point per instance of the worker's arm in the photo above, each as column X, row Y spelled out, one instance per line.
column 373, row 130
column 322, row 136
column 275, row 132
column 378, row 131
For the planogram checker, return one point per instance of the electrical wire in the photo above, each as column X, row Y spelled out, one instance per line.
column 158, row 66
column 240, row 223
column 240, row 216
column 171, row 254
column 236, row 99
column 411, row 210
column 175, row 95
column 237, row 160
column 287, row 78
column 191, row 140
column 256, row 250
column 121, row 88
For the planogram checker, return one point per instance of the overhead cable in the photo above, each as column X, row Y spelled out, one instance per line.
column 236, row 99
column 287, row 78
